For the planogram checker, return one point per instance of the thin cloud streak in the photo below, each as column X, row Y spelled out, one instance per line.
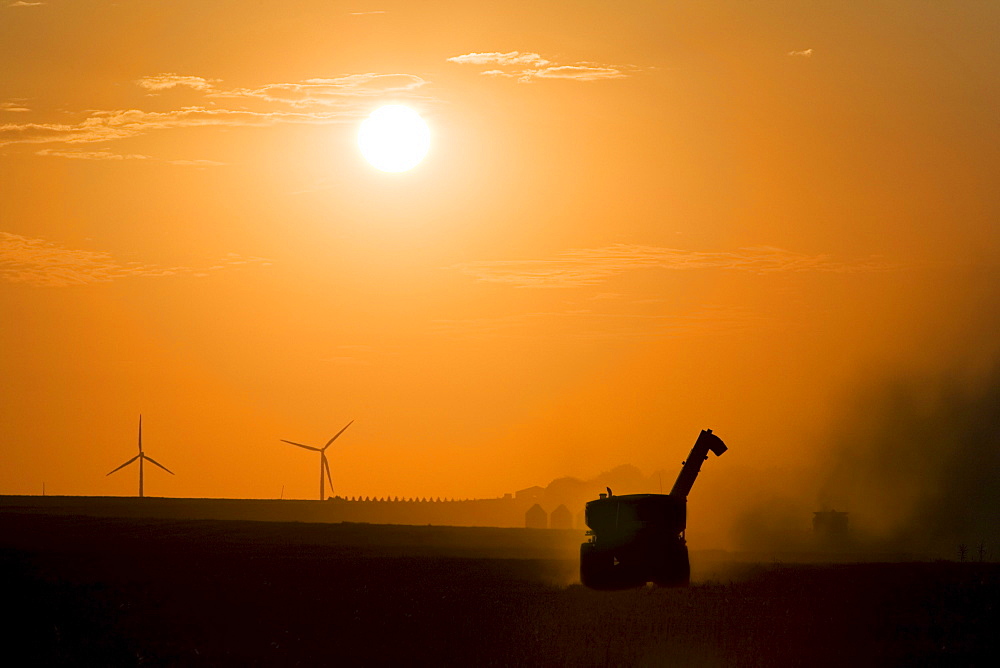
column 113, row 125
column 317, row 91
column 166, row 81
column 91, row 155
column 529, row 66
column 807, row 53
column 325, row 92
column 41, row 263
column 314, row 101
column 115, row 157
column 590, row 266
column 578, row 72
column 14, row 105
column 590, row 325
column 497, row 58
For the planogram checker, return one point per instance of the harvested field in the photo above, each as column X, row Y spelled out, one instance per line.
column 104, row 591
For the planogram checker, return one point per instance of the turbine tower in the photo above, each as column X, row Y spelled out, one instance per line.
column 142, row 457
column 324, row 464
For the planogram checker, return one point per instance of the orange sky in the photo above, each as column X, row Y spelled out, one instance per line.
column 636, row 220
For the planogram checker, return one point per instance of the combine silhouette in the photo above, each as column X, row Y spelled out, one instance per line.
column 639, row 538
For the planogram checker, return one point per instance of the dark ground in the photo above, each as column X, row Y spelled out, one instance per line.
column 106, row 592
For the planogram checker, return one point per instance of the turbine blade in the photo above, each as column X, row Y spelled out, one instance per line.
column 123, row 465
column 307, row 447
column 326, row 467
column 337, row 434
column 153, row 461
column 140, row 432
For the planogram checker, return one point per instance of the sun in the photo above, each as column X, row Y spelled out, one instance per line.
column 394, row 138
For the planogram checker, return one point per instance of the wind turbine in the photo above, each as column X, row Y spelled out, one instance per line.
column 324, row 464
column 142, row 457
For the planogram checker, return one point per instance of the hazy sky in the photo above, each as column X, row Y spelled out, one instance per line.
column 636, row 220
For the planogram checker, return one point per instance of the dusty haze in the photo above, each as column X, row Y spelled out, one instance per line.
column 636, row 221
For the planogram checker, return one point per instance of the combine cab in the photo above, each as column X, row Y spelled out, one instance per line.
column 639, row 538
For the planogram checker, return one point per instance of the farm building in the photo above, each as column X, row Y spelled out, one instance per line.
column 536, row 518
column 561, row 518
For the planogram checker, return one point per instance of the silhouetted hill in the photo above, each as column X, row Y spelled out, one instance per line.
column 625, row 479
column 507, row 511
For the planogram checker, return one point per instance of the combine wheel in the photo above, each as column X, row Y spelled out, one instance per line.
column 675, row 569
column 596, row 567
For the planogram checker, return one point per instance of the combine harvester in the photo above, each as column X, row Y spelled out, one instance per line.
column 639, row 538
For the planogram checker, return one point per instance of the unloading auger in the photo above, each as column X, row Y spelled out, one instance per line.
column 639, row 538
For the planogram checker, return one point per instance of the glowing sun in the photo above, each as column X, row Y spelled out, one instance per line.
column 394, row 138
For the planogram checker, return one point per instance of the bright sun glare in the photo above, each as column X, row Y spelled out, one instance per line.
column 394, row 138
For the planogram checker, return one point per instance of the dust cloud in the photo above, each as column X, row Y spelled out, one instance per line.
column 917, row 459
column 913, row 458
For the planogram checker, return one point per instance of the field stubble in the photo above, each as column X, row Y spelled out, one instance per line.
column 155, row 592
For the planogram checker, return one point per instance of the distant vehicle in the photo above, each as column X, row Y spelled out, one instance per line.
column 639, row 538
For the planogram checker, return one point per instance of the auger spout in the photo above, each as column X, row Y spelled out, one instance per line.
column 640, row 538
column 691, row 467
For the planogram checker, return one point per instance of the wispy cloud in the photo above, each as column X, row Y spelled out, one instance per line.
column 527, row 66
column 16, row 105
column 166, row 81
column 374, row 11
column 504, row 59
column 110, row 125
column 314, row 101
column 589, row 266
column 807, row 53
column 109, row 155
column 42, row 263
column 327, row 92
column 91, row 155
column 590, row 325
column 578, row 72
column 22, row 3
column 310, row 92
